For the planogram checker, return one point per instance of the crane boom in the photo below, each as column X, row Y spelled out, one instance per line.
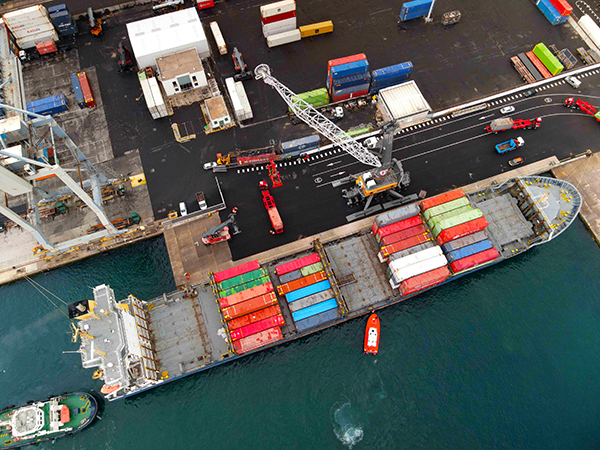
column 316, row 120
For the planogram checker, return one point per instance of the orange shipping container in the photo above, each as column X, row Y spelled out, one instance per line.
column 424, row 280
column 257, row 327
column 442, row 198
column 538, row 65
column 261, row 314
column 86, row 90
column 301, row 282
column 249, row 306
column 242, row 296
column 257, row 340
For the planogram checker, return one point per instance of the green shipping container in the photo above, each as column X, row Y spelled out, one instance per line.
column 445, row 207
column 455, row 212
column 359, row 131
column 316, row 98
column 456, row 220
column 313, row 268
column 243, row 287
column 548, row 59
column 241, row 279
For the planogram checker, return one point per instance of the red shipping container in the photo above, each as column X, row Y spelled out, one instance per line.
column 236, row 271
column 473, row 226
column 86, row 90
column 442, row 198
column 474, row 260
column 345, row 60
column 46, row 47
column 242, row 296
column 245, row 160
column 297, row 264
column 253, row 328
column 202, row 4
column 424, row 280
column 301, row 282
column 247, row 319
column 341, row 98
column 278, row 17
column 563, row 8
column 403, row 245
column 538, row 64
column 398, row 226
column 249, row 306
column 257, row 340
column 400, row 235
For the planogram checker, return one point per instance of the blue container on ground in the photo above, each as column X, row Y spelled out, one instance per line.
column 49, row 105
column 314, row 309
column 414, row 9
column 77, row 89
column 469, row 250
column 376, row 87
column 392, row 72
column 350, row 90
column 308, row 290
column 56, row 8
column 351, row 80
column 550, row 12
column 305, row 143
column 344, row 70
column 317, row 320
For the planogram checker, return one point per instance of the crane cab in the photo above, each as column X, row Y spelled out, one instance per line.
column 376, row 181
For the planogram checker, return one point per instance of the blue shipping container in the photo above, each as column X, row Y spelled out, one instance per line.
column 315, row 309
column 53, row 9
column 392, row 72
column 463, row 241
column 67, row 31
column 61, row 17
column 350, row 90
column 414, row 9
column 319, row 319
column 549, row 11
column 352, row 80
column 305, row 143
column 376, row 87
column 308, row 290
column 469, row 250
column 49, row 105
column 414, row 15
column 77, row 90
column 390, row 81
column 352, row 68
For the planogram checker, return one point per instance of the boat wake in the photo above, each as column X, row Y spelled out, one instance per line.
column 346, row 425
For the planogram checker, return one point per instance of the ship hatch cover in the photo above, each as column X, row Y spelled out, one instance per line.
column 545, row 201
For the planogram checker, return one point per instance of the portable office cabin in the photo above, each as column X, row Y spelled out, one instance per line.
column 217, row 112
column 164, row 35
column 181, row 72
column 403, row 103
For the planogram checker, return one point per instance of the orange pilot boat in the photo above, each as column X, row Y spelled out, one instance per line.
column 372, row 335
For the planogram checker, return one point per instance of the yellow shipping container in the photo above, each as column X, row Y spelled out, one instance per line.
column 316, row 28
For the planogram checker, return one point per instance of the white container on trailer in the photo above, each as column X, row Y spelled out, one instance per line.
column 279, row 27
column 159, row 100
column 216, row 31
column 149, row 99
column 591, row 29
column 284, row 38
column 241, row 91
column 238, row 109
column 272, row 9
column 401, row 263
column 417, row 269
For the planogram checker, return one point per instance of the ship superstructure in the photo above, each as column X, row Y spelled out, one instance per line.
column 138, row 345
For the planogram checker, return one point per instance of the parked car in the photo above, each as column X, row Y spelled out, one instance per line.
column 507, row 109
column 529, row 92
column 517, row 161
column 183, row 209
column 573, row 81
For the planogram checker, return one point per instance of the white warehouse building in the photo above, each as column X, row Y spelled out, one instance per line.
column 167, row 34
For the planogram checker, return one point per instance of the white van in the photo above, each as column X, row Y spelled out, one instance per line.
column 183, row 209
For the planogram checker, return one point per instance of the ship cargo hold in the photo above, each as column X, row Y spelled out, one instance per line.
column 138, row 345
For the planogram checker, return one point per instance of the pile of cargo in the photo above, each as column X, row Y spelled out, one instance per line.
column 348, row 77
column 279, row 23
column 239, row 99
column 153, row 96
column 459, row 229
column 307, row 291
column 390, row 76
column 414, row 9
column 249, row 306
column 49, row 105
column 556, row 11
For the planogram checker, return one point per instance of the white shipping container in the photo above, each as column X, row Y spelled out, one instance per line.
column 591, row 29
column 284, row 38
column 159, row 100
column 272, row 9
column 30, row 41
column 235, row 100
column 14, row 129
column 34, row 26
column 279, row 27
column 419, row 268
column 241, row 91
column 216, row 31
column 401, row 263
column 149, row 99
column 16, row 19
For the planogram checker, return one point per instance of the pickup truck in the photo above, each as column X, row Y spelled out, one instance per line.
column 510, row 145
column 201, row 201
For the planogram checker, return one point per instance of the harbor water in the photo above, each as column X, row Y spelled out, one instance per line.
column 508, row 357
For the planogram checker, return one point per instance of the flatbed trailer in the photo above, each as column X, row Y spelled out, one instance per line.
column 520, row 67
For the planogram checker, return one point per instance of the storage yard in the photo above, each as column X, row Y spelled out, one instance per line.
column 185, row 116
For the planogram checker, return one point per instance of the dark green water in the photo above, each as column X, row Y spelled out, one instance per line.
column 506, row 358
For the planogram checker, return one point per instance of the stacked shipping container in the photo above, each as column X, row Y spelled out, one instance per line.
column 279, row 23
column 249, row 306
column 153, row 96
column 390, row 76
column 49, row 105
column 62, row 20
column 348, row 77
column 239, row 99
column 414, row 9
column 556, row 11
column 30, row 26
column 548, row 59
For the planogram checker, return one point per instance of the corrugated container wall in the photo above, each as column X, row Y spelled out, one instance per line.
column 549, row 12
column 257, row 340
column 308, row 290
column 297, row 263
column 563, row 7
column 442, row 198
column 424, row 281
column 314, row 309
column 310, row 300
column 474, row 260
column 235, row 271
column 241, row 91
column 279, row 27
column 352, row 68
column 317, row 320
column 278, row 17
column 249, row 306
column 284, row 38
column 591, row 29
column 345, row 60
column 548, row 59
column 396, row 215
column 469, row 250
column 253, row 317
column 246, row 295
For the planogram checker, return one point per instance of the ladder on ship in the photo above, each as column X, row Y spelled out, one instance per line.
column 337, row 293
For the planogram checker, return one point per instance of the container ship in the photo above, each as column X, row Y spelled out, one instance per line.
column 50, row 419
column 138, row 345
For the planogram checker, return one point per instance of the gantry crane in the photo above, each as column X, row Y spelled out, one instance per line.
column 316, row 120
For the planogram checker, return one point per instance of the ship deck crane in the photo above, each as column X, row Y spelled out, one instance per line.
column 316, row 120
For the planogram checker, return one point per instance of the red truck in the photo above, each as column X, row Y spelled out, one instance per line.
column 507, row 123
column 586, row 107
column 269, row 203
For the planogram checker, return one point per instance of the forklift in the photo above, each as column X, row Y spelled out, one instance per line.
column 95, row 24
column 241, row 68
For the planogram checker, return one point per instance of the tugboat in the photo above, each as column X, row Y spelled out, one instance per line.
column 44, row 420
column 372, row 335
